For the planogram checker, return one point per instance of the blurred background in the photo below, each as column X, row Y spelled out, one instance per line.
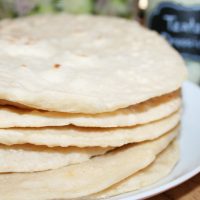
column 176, row 20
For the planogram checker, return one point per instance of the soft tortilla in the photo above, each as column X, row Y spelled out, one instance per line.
column 59, row 63
column 88, row 137
column 160, row 168
column 30, row 158
column 142, row 113
column 86, row 178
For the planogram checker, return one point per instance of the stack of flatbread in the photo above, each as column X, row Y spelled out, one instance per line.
column 90, row 107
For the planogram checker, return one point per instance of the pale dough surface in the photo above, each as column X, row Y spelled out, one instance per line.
column 59, row 63
column 86, row 178
column 30, row 158
column 160, row 168
column 88, row 137
column 151, row 110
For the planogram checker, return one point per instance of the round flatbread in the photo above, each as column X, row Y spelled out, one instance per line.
column 86, row 178
column 30, row 158
column 142, row 113
column 59, row 63
column 88, row 137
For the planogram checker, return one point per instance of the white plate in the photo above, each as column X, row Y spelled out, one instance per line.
column 189, row 164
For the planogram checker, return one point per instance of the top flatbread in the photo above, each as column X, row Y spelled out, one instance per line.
column 60, row 63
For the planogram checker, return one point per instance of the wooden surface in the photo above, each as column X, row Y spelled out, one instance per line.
column 189, row 190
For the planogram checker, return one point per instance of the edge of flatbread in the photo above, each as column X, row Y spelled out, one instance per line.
column 88, row 137
column 142, row 113
column 86, row 178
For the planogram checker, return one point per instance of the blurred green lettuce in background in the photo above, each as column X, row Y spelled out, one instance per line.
column 15, row 8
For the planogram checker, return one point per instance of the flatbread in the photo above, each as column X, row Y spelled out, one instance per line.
column 30, row 158
column 142, row 113
column 59, row 63
column 88, row 137
column 160, row 168
column 83, row 179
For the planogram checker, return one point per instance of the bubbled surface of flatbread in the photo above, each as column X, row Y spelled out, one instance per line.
column 30, row 158
column 86, row 178
column 151, row 110
column 60, row 63
column 88, row 137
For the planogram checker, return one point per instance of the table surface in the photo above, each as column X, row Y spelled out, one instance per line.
column 190, row 190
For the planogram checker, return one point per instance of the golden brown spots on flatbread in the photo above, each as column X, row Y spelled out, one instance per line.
column 57, row 66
